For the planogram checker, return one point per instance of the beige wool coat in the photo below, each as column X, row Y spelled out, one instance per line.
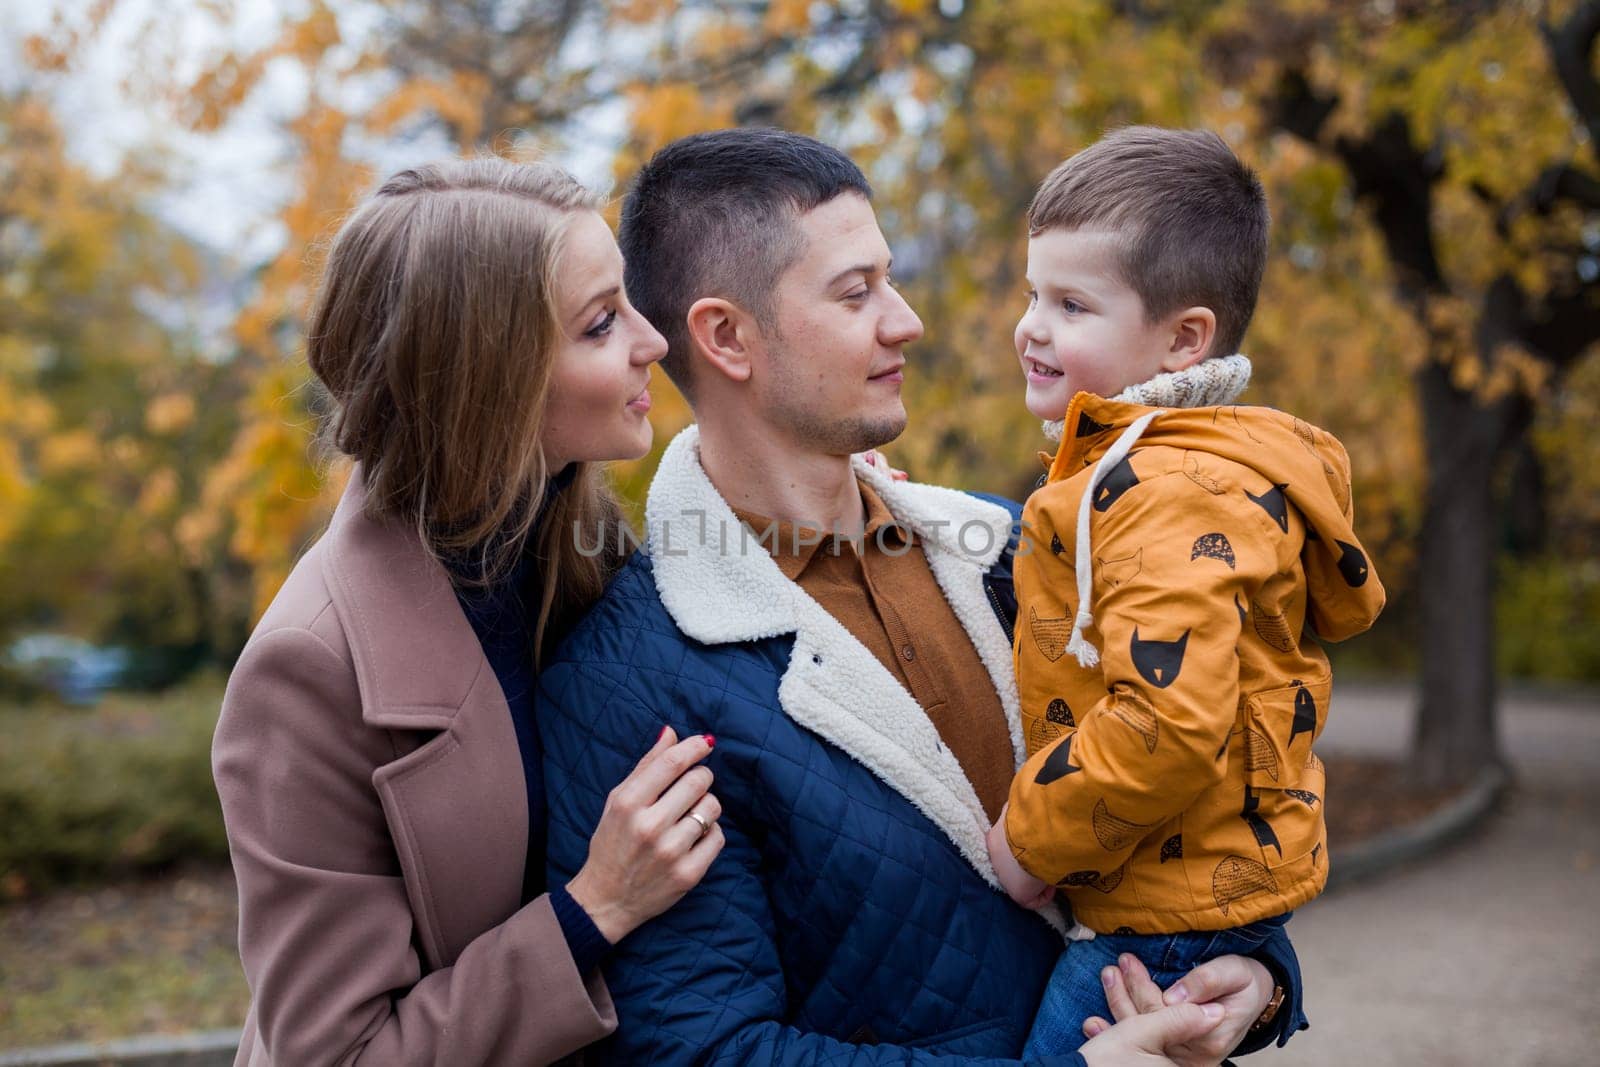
column 374, row 799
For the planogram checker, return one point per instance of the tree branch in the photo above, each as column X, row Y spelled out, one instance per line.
column 1571, row 44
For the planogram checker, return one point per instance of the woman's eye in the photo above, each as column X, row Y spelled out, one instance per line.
column 603, row 327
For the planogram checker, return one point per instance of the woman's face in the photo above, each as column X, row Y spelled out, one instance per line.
column 600, row 390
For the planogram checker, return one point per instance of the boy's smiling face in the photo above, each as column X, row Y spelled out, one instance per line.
column 1086, row 329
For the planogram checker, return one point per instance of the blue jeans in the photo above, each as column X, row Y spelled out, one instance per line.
column 1074, row 992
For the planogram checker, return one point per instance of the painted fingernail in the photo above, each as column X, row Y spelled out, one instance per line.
column 1211, row 1011
column 711, row 742
column 1176, row 995
column 662, row 734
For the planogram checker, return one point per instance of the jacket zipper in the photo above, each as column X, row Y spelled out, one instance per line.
column 999, row 612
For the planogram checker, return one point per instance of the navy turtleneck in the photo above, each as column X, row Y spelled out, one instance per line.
column 503, row 617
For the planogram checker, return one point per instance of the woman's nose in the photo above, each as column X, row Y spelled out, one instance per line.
column 651, row 346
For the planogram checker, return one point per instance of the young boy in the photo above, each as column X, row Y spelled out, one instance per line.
column 1180, row 555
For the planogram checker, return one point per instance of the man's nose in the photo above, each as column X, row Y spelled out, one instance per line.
column 900, row 326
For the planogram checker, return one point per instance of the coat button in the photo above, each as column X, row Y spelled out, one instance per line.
column 909, row 653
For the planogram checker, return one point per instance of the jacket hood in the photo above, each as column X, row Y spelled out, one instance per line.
column 1303, row 465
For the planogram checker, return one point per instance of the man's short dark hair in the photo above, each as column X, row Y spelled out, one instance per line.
column 1193, row 220
column 714, row 214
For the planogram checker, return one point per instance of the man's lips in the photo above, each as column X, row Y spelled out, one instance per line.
column 891, row 375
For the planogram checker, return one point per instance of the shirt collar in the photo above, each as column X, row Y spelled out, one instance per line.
column 793, row 546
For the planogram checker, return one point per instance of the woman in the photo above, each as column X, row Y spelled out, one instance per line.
column 376, row 738
column 379, row 771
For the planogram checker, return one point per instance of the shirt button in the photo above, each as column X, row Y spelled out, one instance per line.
column 909, row 653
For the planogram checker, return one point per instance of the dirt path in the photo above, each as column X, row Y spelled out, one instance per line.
column 1487, row 954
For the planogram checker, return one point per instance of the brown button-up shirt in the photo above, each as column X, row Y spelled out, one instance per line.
column 884, row 592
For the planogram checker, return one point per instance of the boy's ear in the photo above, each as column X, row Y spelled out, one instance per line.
column 1193, row 330
column 723, row 333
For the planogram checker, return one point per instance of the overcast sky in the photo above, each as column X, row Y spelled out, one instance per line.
column 231, row 184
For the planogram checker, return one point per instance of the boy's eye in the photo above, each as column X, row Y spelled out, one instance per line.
column 602, row 326
column 1033, row 298
column 1071, row 307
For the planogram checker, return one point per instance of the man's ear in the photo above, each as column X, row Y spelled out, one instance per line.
column 722, row 333
column 1193, row 330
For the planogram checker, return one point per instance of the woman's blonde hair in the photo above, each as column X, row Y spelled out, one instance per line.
column 435, row 330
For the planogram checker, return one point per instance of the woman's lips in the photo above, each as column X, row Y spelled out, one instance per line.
column 641, row 403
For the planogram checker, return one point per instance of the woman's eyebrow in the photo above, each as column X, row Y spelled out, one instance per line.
column 596, row 298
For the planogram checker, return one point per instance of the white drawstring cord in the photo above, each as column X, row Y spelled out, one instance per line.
column 1079, row 645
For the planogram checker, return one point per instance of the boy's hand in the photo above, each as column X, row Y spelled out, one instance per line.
column 1022, row 887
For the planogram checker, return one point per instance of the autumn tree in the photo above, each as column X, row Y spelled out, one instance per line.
column 105, row 437
column 1431, row 169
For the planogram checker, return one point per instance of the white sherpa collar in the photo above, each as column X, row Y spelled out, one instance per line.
column 834, row 686
column 1209, row 383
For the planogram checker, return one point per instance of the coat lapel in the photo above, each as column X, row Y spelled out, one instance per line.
column 456, row 805
column 720, row 587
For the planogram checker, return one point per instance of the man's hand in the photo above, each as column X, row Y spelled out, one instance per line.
column 1240, row 987
column 1022, row 887
column 1146, row 1040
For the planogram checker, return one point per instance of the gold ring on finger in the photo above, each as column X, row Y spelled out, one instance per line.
column 705, row 827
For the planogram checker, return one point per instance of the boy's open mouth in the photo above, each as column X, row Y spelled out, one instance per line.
column 1035, row 367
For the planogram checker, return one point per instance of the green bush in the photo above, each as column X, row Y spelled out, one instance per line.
column 1548, row 619
column 123, row 788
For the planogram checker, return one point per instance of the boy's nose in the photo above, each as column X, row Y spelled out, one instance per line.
column 1030, row 328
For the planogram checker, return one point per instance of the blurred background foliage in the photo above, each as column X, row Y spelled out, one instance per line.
column 1432, row 296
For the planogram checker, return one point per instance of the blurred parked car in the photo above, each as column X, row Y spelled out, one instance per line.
column 69, row 668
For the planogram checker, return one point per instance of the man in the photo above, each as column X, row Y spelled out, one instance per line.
column 860, row 691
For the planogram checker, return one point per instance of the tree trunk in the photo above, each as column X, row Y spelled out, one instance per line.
column 1456, row 731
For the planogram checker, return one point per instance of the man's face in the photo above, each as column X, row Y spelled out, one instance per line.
column 829, row 369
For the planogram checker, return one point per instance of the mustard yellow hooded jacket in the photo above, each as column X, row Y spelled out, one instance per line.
column 1170, row 783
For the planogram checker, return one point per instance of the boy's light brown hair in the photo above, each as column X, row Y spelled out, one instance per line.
column 1192, row 220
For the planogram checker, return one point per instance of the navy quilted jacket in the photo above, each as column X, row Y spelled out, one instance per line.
column 852, row 916
column 836, row 915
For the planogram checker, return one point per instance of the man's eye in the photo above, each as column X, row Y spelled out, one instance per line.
column 856, row 294
column 603, row 327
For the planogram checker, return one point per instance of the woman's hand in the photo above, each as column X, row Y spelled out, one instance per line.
column 875, row 458
column 1143, row 1040
column 1240, row 987
column 656, row 838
